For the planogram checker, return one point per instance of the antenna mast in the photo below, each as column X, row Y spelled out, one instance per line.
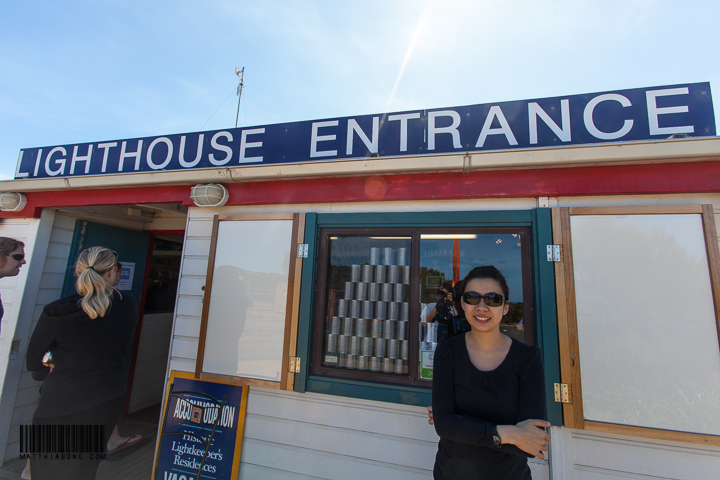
column 239, row 73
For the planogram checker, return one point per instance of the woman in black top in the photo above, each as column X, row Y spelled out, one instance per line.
column 88, row 335
column 488, row 397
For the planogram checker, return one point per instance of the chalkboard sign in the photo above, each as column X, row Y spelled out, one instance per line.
column 201, row 431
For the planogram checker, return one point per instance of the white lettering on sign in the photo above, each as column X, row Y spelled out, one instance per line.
column 315, row 138
column 654, row 111
column 354, row 127
column 403, row 118
column 535, row 111
column 198, row 154
column 222, row 148
column 125, row 154
column 85, row 158
column 168, row 154
column 504, row 129
column 106, row 148
column 61, row 161
column 590, row 123
column 451, row 129
column 244, row 145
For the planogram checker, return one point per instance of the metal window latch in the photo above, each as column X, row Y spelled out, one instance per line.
column 553, row 253
column 563, row 393
column 294, row 366
column 303, row 250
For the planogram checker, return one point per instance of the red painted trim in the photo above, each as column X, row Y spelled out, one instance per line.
column 659, row 178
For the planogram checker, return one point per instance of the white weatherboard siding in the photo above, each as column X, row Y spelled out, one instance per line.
column 151, row 361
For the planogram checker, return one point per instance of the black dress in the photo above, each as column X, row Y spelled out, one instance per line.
column 88, row 384
column 467, row 402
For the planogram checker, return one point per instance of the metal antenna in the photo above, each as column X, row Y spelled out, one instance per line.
column 239, row 73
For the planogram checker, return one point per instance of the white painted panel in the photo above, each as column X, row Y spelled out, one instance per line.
column 185, row 348
column 197, row 227
column 197, row 245
column 643, row 290
column 195, row 266
column 187, row 326
column 191, row 306
column 192, row 285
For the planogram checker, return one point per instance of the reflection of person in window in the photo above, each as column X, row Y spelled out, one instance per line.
column 488, row 393
column 229, row 304
column 443, row 312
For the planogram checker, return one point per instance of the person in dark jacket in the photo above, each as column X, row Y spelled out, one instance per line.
column 87, row 335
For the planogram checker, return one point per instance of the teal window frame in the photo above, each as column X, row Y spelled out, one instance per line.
column 540, row 223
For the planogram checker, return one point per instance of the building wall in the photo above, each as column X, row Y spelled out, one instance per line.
column 292, row 435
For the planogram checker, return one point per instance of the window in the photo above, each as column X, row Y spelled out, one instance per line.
column 377, row 288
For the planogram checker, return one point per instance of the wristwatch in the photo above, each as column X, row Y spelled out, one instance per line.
column 496, row 436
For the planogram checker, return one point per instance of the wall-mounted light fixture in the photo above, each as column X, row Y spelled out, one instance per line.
column 12, row 201
column 209, row 195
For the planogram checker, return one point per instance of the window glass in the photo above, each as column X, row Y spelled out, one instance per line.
column 376, row 317
column 445, row 259
column 367, row 304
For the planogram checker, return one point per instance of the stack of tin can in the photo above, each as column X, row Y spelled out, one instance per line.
column 368, row 328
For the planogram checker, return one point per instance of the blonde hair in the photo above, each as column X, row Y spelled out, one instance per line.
column 8, row 245
column 97, row 293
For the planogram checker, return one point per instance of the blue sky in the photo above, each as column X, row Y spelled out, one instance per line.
column 87, row 71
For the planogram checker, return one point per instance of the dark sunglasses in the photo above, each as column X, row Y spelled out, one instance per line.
column 18, row 257
column 491, row 299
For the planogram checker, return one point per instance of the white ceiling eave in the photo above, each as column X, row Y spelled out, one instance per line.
column 685, row 149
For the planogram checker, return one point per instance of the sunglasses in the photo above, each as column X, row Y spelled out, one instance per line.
column 18, row 257
column 491, row 299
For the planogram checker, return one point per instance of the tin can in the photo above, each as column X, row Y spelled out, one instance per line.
column 392, row 348
column 342, row 360
column 366, row 347
column 374, row 256
column 331, row 343
column 380, row 273
column 367, row 309
column 393, row 274
column 354, row 308
column 387, row 365
column 342, row 307
column 351, row 362
column 399, row 292
column 402, row 330
column 379, row 350
column 362, row 327
column 355, row 345
column 386, row 292
column 367, row 273
column 342, row 344
column 360, row 291
column 405, row 311
column 400, row 366
column 402, row 256
column 387, row 256
column 363, row 362
column 375, row 364
column 381, row 310
column 349, row 290
column 347, row 326
column 373, row 291
column 377, row 328
column 404, row 349
column 355, row 273
column 393, row 311
column 389, row 328
column 335, row 325
column 405, row 274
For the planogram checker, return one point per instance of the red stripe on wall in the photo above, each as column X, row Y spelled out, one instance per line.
column 663, row 178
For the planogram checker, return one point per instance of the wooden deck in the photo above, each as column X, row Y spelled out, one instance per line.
column 130, row 464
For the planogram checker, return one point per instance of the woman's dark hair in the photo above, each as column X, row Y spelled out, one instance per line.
column 487, row 271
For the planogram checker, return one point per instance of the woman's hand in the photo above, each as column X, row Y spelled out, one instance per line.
column 430, row 416
column 527, row 435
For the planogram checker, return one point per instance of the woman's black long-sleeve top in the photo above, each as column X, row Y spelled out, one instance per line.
column 468, row 402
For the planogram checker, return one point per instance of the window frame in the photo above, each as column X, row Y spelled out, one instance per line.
column 569, row 348
column 543, row 280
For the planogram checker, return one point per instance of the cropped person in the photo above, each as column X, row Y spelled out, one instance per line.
column 488, row 397
column 88, row 335
column 12, row 257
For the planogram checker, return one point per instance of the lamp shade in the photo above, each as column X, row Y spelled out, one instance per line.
column 12, row 201
column 209, row 195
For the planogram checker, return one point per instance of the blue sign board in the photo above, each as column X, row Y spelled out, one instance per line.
column 202, row 429
column 618, row 116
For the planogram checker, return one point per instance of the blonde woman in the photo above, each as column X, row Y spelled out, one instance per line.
column 87, row 335
column 12, row 257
